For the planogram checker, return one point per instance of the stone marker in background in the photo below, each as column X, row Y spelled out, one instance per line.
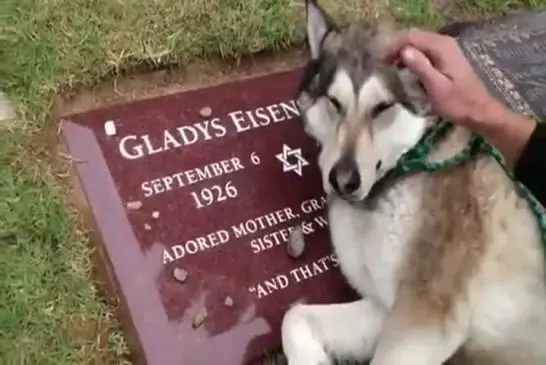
column 194, row 195
column 7, row 113
column 509, row 54
column 195, row 209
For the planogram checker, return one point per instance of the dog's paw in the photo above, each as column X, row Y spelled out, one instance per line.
column 308, row 361
column 300, row 346
column 308, row 356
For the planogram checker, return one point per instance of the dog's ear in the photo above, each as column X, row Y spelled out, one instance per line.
column 318, row 26
column 414, row 92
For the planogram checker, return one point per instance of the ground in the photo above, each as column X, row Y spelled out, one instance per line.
column 58, row 56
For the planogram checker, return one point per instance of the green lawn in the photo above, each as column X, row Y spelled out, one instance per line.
column 50, row 309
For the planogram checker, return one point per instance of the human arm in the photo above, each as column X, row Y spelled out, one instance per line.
column 521, row 141
column 530, row 168
column 507, row 131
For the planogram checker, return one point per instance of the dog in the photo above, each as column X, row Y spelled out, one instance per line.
column 449, row 266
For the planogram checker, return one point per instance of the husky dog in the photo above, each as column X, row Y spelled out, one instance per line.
column 449, row 265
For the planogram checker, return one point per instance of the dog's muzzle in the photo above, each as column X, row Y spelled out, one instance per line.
column 344, row 177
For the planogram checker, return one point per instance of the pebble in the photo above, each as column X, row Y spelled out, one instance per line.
column 180, row 275
column 205, row 111
column 155, row 215
column 296, row 242
column 228, row 302
column 110, row 128
column 199, row 318
column 134, row 205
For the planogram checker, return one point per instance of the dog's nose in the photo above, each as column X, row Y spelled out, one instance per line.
column 344, row 176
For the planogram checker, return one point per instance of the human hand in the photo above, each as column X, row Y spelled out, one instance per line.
column 456, row 92
column 453, row 88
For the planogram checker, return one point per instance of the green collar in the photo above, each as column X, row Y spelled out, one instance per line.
column 416, row 160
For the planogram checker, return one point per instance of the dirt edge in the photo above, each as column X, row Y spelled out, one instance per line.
column 122, row 89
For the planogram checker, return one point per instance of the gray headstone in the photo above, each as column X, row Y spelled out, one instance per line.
column 7, row 112
column 509, row 54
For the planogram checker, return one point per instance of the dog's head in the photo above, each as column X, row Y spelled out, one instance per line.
column 364, row 114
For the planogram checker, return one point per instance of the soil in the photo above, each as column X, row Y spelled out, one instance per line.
column 123, row 89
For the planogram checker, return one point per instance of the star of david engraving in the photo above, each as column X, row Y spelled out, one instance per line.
column 292, row 159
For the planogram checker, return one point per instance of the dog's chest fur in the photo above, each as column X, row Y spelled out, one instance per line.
column 373, row 244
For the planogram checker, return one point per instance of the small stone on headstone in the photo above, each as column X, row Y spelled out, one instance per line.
column 147, row 227
column 296, row 242
column 228, row 302
column 180, row 275
column 155, row 214
column 134, row 205
column 199, row 318
column 205, row 112
column 110, row 128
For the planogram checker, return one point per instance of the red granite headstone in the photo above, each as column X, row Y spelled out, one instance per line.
column 213, row 195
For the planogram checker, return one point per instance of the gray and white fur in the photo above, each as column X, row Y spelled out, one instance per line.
column 449, row 265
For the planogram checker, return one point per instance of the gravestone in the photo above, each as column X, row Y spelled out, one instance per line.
column 194, row 195
column 208, row 183
column 509, row 54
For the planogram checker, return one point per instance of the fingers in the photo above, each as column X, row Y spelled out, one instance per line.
column 418, row 62
column 430, row 43
column 400, row 41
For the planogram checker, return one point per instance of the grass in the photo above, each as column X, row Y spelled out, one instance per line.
column 51, row 311
column 483, row 7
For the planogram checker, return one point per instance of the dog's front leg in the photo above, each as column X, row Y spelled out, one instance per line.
column 314, row 334
column 416, row 332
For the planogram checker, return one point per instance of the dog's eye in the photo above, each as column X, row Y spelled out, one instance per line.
column 335, row 103
column 380, row 108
